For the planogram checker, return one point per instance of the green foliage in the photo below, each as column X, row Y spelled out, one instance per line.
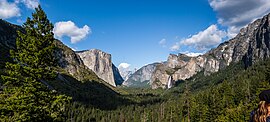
column 35, row 47
column 88, row 93
column 26, row 96
column 228, row 95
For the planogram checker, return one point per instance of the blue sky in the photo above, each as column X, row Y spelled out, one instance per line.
column 139, row 32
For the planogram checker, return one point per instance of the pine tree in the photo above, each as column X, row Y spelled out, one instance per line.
column 35, row 47
column 26, row 96
column 186, row 105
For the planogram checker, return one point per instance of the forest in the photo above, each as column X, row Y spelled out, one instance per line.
column 32, row 89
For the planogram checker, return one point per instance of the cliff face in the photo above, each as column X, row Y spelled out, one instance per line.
column 101, row 63
column 126, row 74
column 8, row 34
column 141, row 78
column 250, row 45
column 117, row 76
column 68, row 60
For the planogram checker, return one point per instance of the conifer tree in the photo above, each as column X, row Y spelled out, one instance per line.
column 35, row 47
column 25, row 97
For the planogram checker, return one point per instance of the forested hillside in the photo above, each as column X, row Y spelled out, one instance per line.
column 44, row 80
column 228, row 95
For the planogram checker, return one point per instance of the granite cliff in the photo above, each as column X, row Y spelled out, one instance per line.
column 250, row 45
column 101, row 63
column 141, row 78
column 68, row 61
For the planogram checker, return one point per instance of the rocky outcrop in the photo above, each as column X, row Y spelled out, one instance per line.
column 126, row 73
column 68, row 61
column 101, row 63
column 71, row 63
column 250, row 45
column 8, row 35
column 117, row 76
column 141, row 78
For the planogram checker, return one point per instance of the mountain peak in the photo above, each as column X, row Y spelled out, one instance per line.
column 249, row 46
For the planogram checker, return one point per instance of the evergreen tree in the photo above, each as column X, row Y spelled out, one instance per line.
column 26, row 96
column 35, row 47
column 186, row 104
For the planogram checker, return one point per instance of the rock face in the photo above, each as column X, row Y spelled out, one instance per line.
column 71, row 62
column 117, row 76
column 8, row 34
column 141, row 78
column 68, row 60
column 101, row 63
column 250, row 45
column 126, row 72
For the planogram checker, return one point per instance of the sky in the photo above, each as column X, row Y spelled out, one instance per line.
column 140, row 32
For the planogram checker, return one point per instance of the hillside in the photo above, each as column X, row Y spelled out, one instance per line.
column 220, row 85
column 141, row 78
column 74, row 78
column 227, row 95
column 249, row 46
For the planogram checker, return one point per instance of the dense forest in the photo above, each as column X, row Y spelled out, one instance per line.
column 34, row 90
column 228, row 95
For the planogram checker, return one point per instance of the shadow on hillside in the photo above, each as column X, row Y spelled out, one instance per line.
column 90, row 93
column 95, row 94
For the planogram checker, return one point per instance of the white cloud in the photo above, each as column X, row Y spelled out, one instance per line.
column 162, row 42
column 232, row 31
column 11, row 9
column 175, row 47
column 32, row 4
column 203, row 40
column 71, row 30
column 8, row 10
column 124, row 70
column 124, row 66
column 235, row 14
column 191, row 54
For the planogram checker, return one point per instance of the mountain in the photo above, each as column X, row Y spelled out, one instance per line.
column 8, row 34
column 117, row 76
column 141, row 78
column 101, row 63
column 125, row 73
column 74, row 78
column 68, row 60
column 250, row 45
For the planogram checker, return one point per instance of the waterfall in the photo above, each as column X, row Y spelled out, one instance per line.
column 170, row 84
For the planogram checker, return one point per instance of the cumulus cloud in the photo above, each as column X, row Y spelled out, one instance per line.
column 11, row 9
column 203, row 40
column 162, row 42
column 69, row 29
column 237, row 13
column 32, row 4
column 8, row 10
column 123, row 66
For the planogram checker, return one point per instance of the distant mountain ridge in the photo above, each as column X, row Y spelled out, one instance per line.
column 250, row 45
column 141, row 78
column 126, row 72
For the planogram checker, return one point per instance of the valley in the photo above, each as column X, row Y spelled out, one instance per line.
column 41, row 73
